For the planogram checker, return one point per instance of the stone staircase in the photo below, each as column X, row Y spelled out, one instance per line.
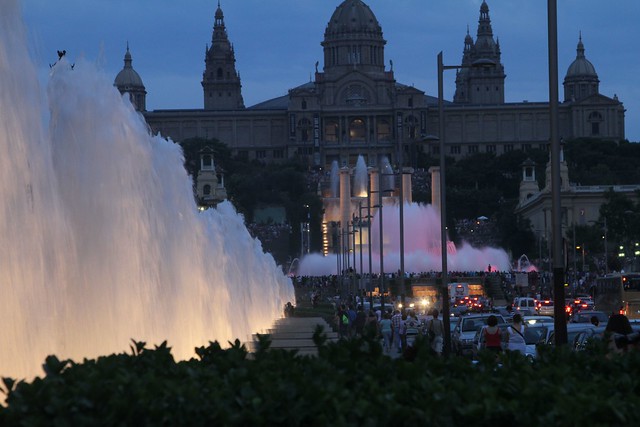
column 295, row 333
column 494, row 290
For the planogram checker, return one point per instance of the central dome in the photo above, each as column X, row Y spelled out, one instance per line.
column 581, row 66
column 353, row 16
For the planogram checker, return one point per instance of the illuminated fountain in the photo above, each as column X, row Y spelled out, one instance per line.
column 422, row 244
column 102, row 241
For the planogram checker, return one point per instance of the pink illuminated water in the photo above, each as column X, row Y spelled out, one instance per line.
column 422, row 242
column 421, row 247
column 101, row 239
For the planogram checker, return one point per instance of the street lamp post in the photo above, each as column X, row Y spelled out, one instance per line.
column 380, row 192
column 443, row 209
column 606, row 257
column 481, row 63
column 560, row 325
column 369, row 245
column 361, row 286
column 353, row 241
column 381, row 242
column 368, row 225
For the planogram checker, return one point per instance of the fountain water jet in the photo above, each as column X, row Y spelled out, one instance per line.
column 102, row 240
column 334, row 179
column 360, row 178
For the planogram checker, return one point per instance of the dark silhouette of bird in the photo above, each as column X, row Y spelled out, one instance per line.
column 61, row 53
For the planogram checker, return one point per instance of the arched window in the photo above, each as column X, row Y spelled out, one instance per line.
column 207, row 161
column 357, row 130
column 206, row 190
column 219, row 73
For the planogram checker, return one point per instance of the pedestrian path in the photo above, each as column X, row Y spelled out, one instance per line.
column 295, row 333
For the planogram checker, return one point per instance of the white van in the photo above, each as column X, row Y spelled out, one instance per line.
column 526, row 306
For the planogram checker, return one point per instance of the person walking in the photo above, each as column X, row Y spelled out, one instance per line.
column 435, row 329
column 515, row 335
column 360, row 320
column 396, row 325
column 386, row 332
column 342, row 320
column 371, row 328
column 619, row 334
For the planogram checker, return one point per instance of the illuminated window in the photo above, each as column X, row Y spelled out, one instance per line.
column 357, row 130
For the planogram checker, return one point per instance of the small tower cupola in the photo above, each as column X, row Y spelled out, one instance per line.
column 128, row 82
column 529, row 185
column 210, row 188
column 581, row 79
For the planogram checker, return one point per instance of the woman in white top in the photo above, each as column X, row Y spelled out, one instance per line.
column 515, row 335
column 436, row 326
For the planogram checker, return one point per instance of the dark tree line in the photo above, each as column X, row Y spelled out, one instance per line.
column 479, row 185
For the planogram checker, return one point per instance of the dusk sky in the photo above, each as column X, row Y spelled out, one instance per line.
column 277, row 43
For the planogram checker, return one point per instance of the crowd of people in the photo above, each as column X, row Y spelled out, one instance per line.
column 395, row 328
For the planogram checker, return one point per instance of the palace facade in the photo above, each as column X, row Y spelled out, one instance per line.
column 354, row 105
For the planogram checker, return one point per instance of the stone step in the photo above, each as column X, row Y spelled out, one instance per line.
column 294, row 333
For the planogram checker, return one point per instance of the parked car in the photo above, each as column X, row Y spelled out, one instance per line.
column 536, row 320
column 573, row 329
column 465, row 330
column 545, row 307
column 525, row 306
column 504, row 312
column 478, row 345
column 534, row 336
column 582, row 338
column 585, row 317
column 573, row 305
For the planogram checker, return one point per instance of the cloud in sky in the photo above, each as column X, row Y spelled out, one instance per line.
column 277, row 42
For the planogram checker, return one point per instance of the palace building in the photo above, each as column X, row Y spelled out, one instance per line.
column 354, row 106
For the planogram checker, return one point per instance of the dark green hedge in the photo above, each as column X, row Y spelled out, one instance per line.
column 349, row 384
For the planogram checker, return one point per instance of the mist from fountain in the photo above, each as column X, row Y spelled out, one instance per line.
column 524, row 265
column 102, row 241
column 422, row 244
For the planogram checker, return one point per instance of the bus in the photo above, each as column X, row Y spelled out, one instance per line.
column 618, row 293
column 458, row 290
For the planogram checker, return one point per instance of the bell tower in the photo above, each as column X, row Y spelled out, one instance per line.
column 481, row 85
column 220, row 80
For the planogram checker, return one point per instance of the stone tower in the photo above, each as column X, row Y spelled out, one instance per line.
column 210, row 182
column 220, row 81
column 128, row 81
column 529, row 185
column 475, row 85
